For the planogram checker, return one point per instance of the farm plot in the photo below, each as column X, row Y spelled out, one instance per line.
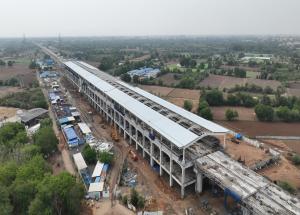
column 245, row 114
column 19, row 71
column 168, row 79
column 256, row 128
column 175, row 95
column 4, row 91
column 221, row 82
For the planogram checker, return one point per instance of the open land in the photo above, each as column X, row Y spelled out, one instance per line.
column 221, row 82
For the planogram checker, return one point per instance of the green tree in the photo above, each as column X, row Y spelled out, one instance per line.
column 126, row 77
column 8, row 172
column 106, row 63
column 188, row 105
column 33, row 65
column 106, row 157
column 232, row 100
column 46, row 139
column 135, row 79
column 47, row 122
column 264, row 112
column 296, row 159
column 89, row 154
column 214, row 97
column 5, row 206
column 231, row 114
column 60, row 194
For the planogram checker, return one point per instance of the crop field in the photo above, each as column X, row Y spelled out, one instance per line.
column 221, row 82
column 245, row 114
column 168, row 79
column 19, row 71
column 256, row 128
column 175, row 95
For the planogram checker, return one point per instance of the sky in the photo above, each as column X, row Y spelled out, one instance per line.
column 40, row 18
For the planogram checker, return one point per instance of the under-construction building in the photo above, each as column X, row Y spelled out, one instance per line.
column 183, row 147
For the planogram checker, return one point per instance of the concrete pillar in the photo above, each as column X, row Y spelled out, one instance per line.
column 160, row 158
column 183, row 156
column 143, row 144
column 182, row 182
column 151, row 154
column 171, row 169
column 199, row 182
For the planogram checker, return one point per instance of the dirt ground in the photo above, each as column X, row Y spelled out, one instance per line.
column 283, row 171
column 8, row 90
column 104, row 208
column 7, row 112
column 219, row 81
column 245, row 114
column 245, row 152
column 168, row 79
column 175, row 95
column 256, row 128
column 20, row 71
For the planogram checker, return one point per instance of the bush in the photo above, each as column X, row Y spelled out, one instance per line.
column 231, row 114
column 89, row 154
column 296, row 159
column 214, row 97
column 136, row 199
column 264, row 112
column 188, row 105
column 106, row 157
column 125, row 200
column 287, row 186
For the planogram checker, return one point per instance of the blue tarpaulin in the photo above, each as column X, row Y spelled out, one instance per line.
column 97, row 179
column 105, row 167
column 71, row 136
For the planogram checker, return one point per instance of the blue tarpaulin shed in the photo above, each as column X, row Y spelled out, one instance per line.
column 105, row 167
column 71, row 136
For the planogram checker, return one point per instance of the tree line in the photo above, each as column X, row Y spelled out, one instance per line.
column 27, row 185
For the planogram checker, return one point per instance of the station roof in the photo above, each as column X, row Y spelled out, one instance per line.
column 230, row 174
column 211, row 126
column 32, row 114
column 79, row 161
column 172, row 131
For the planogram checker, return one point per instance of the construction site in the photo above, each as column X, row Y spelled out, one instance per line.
column 182, row 147
column 188, row 154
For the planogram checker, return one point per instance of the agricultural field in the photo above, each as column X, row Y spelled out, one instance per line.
column 221, row 82
column 256, row 128
column 245, row 114
column 20, row 71
column 175, row 95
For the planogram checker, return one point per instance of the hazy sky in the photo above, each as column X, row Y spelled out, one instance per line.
column 148, row 17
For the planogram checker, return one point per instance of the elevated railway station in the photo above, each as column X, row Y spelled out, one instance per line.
column 183, row 147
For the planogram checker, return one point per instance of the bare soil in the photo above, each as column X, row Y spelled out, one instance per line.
column 7, row 112
column 19, row 71
column 245, row 114
column 256, row 128
column 245, row 152
column 168, row 79
column 176, row 96
column 4, row 91
column 221, row 82
column 283, row 171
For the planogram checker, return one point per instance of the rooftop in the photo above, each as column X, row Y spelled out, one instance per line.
column 172, row 131
column 79, row 161
column 32, row 114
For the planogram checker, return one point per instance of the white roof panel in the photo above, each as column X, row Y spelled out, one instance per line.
column 79, row 161
column 96, row 187
column 84, row 128
column 211, row 126
column 172, row 131
column 98, row 169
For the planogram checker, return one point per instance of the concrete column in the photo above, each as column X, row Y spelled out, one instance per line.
column 182, row 182
column 151, row 154
column 199, row 182
column 160, row 158
column 171, row 169
column 183, row 156
column 143, row 144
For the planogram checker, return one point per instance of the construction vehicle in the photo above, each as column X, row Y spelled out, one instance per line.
column 133, row 156
column 235, row 138
column 114, row 134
